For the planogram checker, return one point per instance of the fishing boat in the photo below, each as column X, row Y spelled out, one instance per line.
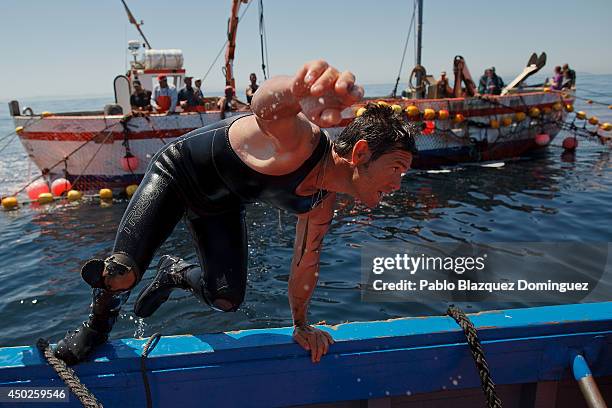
column 551, row 356
column 460, row 125
column 92, row 148
column 111, row 147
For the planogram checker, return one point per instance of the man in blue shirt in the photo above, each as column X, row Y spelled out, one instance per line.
column 187, row 96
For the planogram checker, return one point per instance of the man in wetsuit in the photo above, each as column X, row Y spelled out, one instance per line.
column 278, row 155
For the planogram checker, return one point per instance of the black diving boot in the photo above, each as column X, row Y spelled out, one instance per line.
column 79, row 343
column 172, row 273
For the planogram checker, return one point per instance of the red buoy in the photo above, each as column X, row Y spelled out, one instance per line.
column 542, row 139
column 37, row 188
column 570, row 143
column 430, row 126
column 129, row 162
column 60, row 186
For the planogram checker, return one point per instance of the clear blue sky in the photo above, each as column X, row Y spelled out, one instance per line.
column 77, row 47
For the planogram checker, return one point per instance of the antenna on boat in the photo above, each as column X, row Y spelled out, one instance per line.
column 419, row 29
column 136, row 23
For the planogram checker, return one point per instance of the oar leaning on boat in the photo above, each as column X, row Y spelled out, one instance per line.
column 279, row 155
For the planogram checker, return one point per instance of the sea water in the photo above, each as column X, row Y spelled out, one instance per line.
column 547, row 199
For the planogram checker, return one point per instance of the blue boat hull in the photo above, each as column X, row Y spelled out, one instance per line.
column 400, row 358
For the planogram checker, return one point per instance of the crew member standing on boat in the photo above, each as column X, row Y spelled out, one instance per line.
column 229, row 102
column 278, row 155
column 569, row 77
column 252, row 88
column 140, row 100
column 443, row 89
column 164, row 96
column 557, row 79
column 187, row 97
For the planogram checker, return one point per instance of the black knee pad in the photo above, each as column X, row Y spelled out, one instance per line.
column 227, row 300
column 100, row 273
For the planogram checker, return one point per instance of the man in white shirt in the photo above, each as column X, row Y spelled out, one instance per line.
column 164, row 97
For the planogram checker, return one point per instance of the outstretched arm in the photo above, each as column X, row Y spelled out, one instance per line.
column 316, row 93
column 310, row 230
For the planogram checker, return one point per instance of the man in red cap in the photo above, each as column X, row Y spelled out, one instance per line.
column 164, row 96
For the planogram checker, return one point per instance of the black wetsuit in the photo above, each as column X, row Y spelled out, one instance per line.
column 201, row 177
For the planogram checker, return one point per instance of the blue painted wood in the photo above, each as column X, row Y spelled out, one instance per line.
column 265, row 367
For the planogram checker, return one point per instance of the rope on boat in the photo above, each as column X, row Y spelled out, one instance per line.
column 92, row 158
column 8, row 139
column 394, row 92
column 64, row 160
column 224, row 44
column 146, row 349
column 590, row 101
column 68, row 375
column 9, row 135
column 488, row 386
column 263, row 40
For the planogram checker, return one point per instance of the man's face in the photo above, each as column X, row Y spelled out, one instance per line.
column 163, row 82
column 137, row 87
column 374, row 179
column 253, row 78
column 198, row 84
column 188, row 82
column 489, row 73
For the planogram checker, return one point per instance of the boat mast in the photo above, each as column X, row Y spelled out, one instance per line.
column 133, row 21
column 419, row 28
column 232, row 29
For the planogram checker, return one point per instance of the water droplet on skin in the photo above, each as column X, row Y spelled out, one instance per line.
column 459, row 377
column 358, row 379
column 306, row 287
column 321, row 101
column 444, row 387
column 275, row 117
column 387, row 393
column 35, row 301
column 455, row 382
column 21, row 301
column 408, row 393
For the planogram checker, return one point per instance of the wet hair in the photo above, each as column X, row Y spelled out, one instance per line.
column 382, row 128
